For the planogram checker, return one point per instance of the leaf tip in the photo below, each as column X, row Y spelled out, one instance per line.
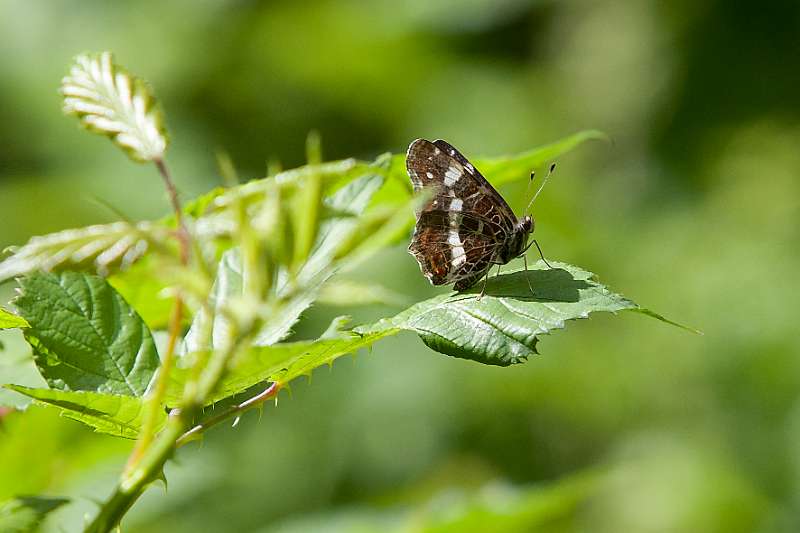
column 108, row 100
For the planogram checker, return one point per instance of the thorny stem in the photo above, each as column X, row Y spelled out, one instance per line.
column 136, row 479
column 153, row 450
column 156, row 397
column 236, row 410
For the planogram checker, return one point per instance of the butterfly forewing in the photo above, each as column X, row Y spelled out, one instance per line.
column 460, row 230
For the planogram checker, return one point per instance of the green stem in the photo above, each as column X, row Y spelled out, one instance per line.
column 236, row 410
column 183, row 233
column 155, row 399
column 131, row 487
column 135, row 480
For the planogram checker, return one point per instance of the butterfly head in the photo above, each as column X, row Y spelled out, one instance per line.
column 518, row 241
column 526, row 225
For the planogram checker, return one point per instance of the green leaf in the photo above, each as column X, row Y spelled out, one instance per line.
column 23, row 514
column 110, row 101
column 10, row 320
column 227, row 286
column 350, row 200
column 112, row 414
column 375, row 230
column 322, row 352
column 103, row 248
column 280, row 362
column 353, row 199
column 307, row 205
column 500, row 329
column 503, row 327
column 84, row 335
column 219, row 212
column 146, row 291
column 500, row 170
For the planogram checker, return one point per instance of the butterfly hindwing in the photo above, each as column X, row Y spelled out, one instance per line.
column 449, row 250
column 460, row 230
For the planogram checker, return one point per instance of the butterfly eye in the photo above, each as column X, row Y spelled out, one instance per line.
column 527, row 224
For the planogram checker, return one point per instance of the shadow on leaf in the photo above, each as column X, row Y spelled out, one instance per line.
column 549, row 285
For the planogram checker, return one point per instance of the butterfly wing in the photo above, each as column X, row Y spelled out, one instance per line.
column 449, row 252
column 461, row 228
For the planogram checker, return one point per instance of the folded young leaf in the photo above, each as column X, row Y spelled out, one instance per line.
column 227, row 286
column 112, row 414
column 84, row 335
column 24, row 513
column 110, row 101
column 101, row 248
column 503, row 327
column 352, row 199
column 215, row 213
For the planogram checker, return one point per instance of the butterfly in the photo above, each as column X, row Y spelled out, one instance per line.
column 466, row 227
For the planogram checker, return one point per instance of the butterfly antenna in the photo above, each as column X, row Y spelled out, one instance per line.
column 528, row 188
column 547, row 177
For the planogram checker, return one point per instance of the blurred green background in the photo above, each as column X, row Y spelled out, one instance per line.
column 623, row 423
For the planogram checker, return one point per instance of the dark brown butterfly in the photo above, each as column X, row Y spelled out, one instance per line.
column 466, row 227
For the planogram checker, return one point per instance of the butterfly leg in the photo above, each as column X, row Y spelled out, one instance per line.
column 485, row 280
column 541, row 254
column 527, row 277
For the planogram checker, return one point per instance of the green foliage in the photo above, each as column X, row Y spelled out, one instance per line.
column 24, row 513
column 505, row 169
column 113, row 414
column 240, row 265
column 84, row 335
column 11, row 321
column 498, row 170
column 145, row 292
column 102, row 248
column 278, row 363
column 109, row 101
column 693, row 210
column 504, row 326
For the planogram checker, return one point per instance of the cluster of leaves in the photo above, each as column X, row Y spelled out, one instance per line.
column 247, row 261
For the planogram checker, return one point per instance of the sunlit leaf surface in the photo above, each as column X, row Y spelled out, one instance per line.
column 84, row 336
column 110, row 101
column 10, row 320
column 503, row 327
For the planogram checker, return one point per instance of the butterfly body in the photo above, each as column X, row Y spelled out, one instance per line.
column 466, row 226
